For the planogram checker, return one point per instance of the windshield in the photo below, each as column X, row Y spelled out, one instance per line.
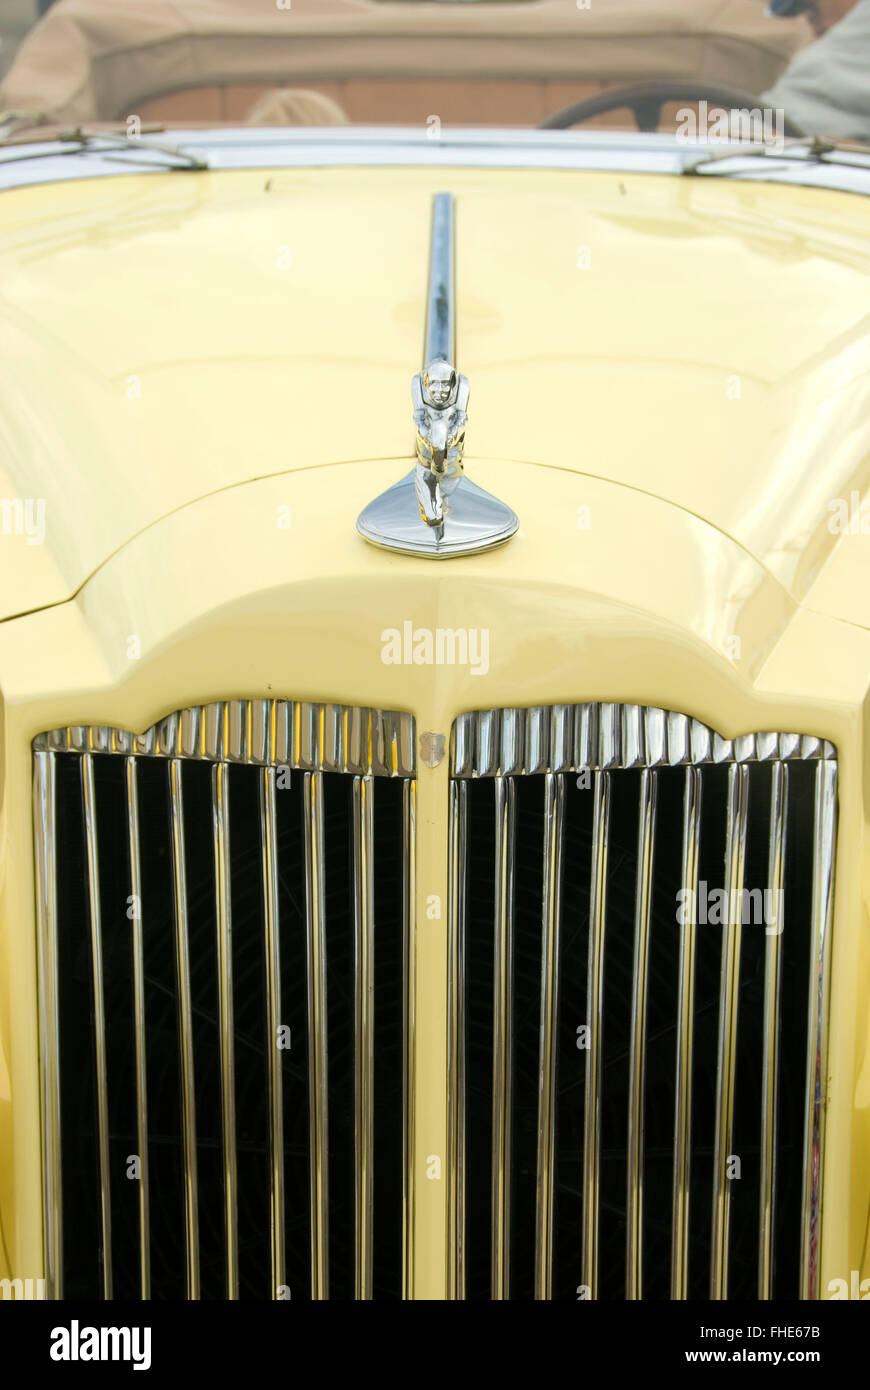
column 706, row 70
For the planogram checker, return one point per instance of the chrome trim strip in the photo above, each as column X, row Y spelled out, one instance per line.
column 440, row 339
column 220, row 803
column 409, row 1033
column 269, row 847
column 456, row 1045
column 770, row 1063
column 44, row 823
column 364, row 1030
column 363, row 741
column 729, row 994
column 595, row 1020
column 185, row 1029
column 270, row 733
column 655, row 730
column 373, row 147
column 685, row 1039
column 610, row 752
column 824, row 843
column 502, row 1042
column 636, row 1097
column 554, row 832
column 89, row 812
column 574, row 738
column 315, row 909
column 138, row 951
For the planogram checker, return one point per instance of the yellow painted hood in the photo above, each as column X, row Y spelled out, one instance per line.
column 167, row 336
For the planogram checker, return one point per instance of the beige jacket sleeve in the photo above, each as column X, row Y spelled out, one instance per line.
column 826, row 87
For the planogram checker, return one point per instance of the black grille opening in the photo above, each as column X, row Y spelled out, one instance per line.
column 391, row 965
column 251, row 1052
column 294, row 1017
column 81, row 1219
column 573, row 1022
column 661, row 1042
column 793, row 1039
column 708, row 969
column 478, row 1080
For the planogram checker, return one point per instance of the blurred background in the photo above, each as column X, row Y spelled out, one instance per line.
column 401, row 62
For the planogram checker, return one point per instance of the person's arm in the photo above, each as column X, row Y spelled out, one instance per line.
column 826, row 87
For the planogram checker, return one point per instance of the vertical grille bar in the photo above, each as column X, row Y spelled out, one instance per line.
column 456, row 1043
column 269, row 845
column 364, row 1030
column 770, row 1063
column 102, row 1081
column 685, row 1037
column 554, row 823
column 735, row 856
column 185, row 1029
column 409, row 832
column 634, row 1165
column 595, row 1002
column 505, row 812
column 315, row 908
column 45, row 820
column 220, row 783
column 132, row 783
column 824, row 835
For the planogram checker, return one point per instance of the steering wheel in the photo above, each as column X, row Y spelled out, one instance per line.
column 646, row 99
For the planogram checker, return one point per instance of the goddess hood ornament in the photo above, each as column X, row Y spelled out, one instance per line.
column 437, row 511
column 440, row 396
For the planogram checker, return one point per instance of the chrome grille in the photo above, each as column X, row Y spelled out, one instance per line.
column 636, row 1101
column 240, row 874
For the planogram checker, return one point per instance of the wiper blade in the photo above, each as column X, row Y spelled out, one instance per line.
column 103, row 142
column 811, row 149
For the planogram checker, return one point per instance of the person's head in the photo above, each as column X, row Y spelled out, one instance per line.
column 439, row 382
column 821, row 15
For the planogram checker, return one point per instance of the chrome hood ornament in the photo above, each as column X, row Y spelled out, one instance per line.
column 437, row 511
column 440, row 396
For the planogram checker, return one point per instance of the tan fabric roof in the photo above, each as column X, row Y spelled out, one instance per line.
column 96, row 59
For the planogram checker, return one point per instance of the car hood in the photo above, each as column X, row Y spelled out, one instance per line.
column 167, row 336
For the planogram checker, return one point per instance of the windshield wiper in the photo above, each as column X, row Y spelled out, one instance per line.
column 811, row 150
column 80, row 141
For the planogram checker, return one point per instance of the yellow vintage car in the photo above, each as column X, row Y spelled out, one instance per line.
column 434, row 658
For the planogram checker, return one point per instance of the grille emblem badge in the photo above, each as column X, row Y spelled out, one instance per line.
column 432, row 749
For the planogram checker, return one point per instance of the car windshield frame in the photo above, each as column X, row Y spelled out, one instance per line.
column 846, row 169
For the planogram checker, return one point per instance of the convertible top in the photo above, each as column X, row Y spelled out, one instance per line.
column 100, row 60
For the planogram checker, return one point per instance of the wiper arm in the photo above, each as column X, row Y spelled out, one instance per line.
column 811, row 149
column 88, row 139
column 102, row 142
